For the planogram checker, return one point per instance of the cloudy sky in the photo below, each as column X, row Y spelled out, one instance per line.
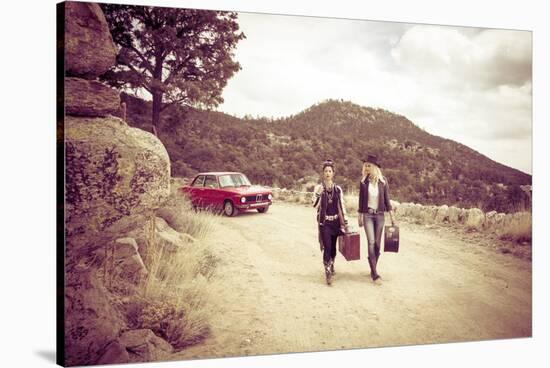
column 470, row 85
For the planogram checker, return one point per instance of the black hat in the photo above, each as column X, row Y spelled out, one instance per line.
column 373, row 160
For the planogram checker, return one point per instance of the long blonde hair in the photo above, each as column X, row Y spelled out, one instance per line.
column 374, row 176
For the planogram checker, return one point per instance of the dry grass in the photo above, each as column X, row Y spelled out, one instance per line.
column 351, row 199
column 175, row 297
column 293, row 197
column 519, row 230
column 179, row 214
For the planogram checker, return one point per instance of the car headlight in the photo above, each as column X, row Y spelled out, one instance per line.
column 243, row 199
column 269, row 196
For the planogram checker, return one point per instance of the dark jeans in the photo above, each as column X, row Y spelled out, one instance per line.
column 374, row 224
column 329, row 234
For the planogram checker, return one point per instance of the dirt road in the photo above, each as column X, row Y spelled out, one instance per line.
column 438, row 288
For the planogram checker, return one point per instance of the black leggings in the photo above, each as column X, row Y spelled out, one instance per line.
column 329, row 234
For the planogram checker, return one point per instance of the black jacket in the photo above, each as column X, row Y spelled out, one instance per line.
column 383, row 196
column 320, row 201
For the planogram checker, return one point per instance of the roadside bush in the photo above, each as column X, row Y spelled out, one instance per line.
column 175, row 298
column 519, row 230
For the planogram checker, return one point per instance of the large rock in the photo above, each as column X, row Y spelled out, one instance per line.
column 89, row 47
column 115, row 353
column 127, row 261
column 136, row 346
column 427, row 214
column 144, row 236
column 475, row 218
column 414, row 210
column 454, row 214
column 116, row 176
column 90, row 98
column 175, row 208
column 144, row 346
column 91, row 320
column 168, row 238
column 463, row 215
column 406, row 209
column 442, row 214
column 490, row 219
column 401, row 211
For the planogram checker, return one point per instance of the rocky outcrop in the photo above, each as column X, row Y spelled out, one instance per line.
column 115, row 353
column 442, row 214
column 90, row 98
column 136, row 346
column 172, row 210
column 474, row 219
column 91, row 319
column 89, row 47
column 453, row 214
column 169, row 239
column 127, row 262
column 144, row 346
column 116, row 177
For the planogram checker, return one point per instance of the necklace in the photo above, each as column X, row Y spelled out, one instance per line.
column 330, row 194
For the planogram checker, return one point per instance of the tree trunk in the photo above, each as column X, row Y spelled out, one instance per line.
column 157, row 105
column 157, row 92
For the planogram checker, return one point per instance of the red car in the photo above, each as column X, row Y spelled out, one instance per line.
column 227, row 191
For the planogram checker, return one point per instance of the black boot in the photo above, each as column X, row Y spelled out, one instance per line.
column 373, row 274
column 328, row 274
column 371, row 265
column 332, row 267
column 376, row 265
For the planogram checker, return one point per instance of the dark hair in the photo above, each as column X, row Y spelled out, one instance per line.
column 328, row 163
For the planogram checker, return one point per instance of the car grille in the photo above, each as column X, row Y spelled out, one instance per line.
column 257, row 198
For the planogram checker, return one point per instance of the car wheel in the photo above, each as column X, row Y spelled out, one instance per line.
column 262, row 209
column 228, row 209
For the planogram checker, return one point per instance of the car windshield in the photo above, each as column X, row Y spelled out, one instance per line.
column 233, row 180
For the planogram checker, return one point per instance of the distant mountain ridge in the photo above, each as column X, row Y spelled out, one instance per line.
column 287, row 152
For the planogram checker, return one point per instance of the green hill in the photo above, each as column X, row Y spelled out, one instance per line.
column 287, row 152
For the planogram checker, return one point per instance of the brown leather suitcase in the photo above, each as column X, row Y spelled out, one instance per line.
column 349, row 246
column 391, row 239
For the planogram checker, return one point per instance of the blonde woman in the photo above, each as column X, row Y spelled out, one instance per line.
column 332, row 219
column 374, row 201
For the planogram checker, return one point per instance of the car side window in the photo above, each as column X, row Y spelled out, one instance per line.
column 225, row 181
column 210, row 182
column 198, row 182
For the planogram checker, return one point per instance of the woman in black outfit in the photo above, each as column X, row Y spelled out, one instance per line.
column 374, row 201
column 332, row 220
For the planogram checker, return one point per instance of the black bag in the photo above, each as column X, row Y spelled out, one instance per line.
column 391, row 239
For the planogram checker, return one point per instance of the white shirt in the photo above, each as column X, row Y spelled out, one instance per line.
column 373, row 196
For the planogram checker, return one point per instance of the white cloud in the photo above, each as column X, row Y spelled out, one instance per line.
column 474, row 87
column 466, row 84
column 485, row 59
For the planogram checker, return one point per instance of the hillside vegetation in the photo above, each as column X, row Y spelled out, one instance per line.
column 286, row 152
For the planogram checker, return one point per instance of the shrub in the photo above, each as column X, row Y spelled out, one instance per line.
column 519, row 230
column 176, row 294
column 177, row 291
column 177, row 211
